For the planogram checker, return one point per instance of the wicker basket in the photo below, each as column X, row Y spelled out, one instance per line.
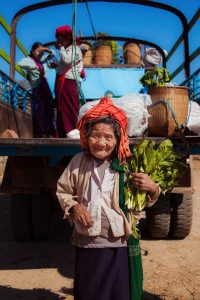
column 87, row 57
column 161, row 122
column 103, row 55
column 132, row 53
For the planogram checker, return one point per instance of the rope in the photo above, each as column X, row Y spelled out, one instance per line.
column 179, row 127
column 170, row 108
column 92, row 24
column 188, row 116
column 76, row 74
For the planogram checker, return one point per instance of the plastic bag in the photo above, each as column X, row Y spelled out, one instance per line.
column 152, row 57
column 135, row 107
column 193, row 120
column 74, row 134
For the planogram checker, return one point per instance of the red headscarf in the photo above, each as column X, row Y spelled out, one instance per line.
column 103, row 109
column 66, row 32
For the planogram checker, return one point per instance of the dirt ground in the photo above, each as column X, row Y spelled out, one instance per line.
column 44, row 270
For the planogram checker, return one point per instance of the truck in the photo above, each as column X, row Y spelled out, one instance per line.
column 33, row 165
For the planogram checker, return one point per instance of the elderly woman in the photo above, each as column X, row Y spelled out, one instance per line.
column 90, row 191
column 69, row 72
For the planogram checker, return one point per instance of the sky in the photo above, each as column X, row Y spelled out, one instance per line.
column 116, row 19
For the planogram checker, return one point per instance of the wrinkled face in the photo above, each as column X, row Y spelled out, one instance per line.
column 102, row 141
column 37, row 53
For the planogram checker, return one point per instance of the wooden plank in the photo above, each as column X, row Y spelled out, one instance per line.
column 191, row 140
column 183, row 190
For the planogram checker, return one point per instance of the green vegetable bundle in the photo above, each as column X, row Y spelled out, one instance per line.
column 156, row 77
column 160, row 163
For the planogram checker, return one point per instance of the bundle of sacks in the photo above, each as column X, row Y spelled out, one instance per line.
column 135, row 107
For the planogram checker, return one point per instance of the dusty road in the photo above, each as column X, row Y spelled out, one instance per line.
column 44, row 270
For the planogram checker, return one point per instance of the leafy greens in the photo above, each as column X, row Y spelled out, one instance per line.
column 160, row 163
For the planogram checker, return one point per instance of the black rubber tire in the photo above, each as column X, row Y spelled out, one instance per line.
column 158, row 218
column 42, row 216
column 181, row 215
column 21, row 217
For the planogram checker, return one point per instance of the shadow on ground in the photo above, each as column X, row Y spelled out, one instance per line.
column 8, row 293
column 55, row 253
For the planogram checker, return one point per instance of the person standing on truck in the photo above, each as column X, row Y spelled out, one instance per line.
column 69, row 71
column 91, row 193
column 36, row 64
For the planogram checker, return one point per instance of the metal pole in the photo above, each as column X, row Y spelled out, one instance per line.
column 13, row 48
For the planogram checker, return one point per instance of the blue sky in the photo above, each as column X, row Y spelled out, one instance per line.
column 116, row 19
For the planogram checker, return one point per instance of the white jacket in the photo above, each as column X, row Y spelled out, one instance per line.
column 65, row 62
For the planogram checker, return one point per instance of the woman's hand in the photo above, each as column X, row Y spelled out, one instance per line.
column 144, row 183
column 45, row 49
column 81, row 215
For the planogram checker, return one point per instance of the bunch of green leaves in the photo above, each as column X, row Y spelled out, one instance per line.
column 161, row 163
column 156, row 77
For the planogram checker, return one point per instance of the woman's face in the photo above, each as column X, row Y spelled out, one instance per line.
column 37, row 53
column 61, row 40
column 102, row 141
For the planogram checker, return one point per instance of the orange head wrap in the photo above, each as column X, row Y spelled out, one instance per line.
column 103, row 109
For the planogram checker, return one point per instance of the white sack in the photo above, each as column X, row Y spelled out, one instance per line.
column 152, row 57
column 135, row 107
column 74, row 134
column 194, row 117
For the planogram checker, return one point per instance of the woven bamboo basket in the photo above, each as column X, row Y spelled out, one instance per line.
column 103, row 55
column 132, row 53
column 162, row 122
column 87, row 57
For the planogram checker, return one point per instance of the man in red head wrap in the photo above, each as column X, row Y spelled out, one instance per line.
column 66, row 33
column 68, row 72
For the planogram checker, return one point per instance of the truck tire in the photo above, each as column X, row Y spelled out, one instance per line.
column 21, row 217
column 158, row 218
column 181, row 215
column 42, row 216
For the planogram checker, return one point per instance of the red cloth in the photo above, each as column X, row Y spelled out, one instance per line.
column 68, row 107
column 66, row 32
column 103, row 109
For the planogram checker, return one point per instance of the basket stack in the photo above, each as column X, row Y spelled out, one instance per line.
column 132, row 53
column 103, row 55
column 87, row 57
column 173, row 105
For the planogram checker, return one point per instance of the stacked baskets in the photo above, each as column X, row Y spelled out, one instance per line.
column 132, row 53
column 103, row 55
column 87, row 57
column 169, row 110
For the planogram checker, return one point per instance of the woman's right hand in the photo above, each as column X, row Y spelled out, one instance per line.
column 81, row 215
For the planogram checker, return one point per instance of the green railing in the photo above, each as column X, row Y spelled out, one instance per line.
column 4, row 55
